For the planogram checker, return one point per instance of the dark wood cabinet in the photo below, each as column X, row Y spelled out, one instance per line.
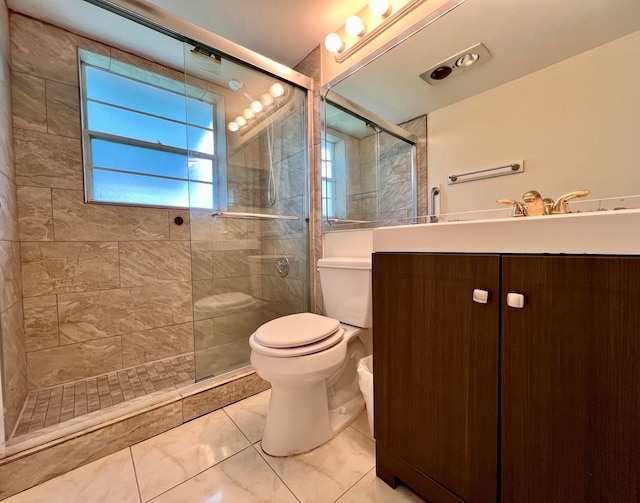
column 436, row 372
column 485, row 402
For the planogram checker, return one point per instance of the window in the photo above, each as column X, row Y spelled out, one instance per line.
column 144, row 144
column 328, row 180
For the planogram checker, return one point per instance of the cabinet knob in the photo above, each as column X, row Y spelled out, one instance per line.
column 515, row 300
column 480, row 296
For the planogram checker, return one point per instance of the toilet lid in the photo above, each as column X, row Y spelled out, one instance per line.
column 296, row 330
column 307, row 349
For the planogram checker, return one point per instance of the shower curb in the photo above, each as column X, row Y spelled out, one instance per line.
column 31, row 467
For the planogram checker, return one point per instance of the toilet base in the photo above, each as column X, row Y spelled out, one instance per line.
column 299, row 419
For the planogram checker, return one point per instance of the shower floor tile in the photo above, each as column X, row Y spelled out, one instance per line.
column 51, row 406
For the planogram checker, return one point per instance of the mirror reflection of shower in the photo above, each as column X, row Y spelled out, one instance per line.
column 368, row 172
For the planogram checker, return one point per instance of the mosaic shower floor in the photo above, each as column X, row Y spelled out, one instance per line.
column 51, row 406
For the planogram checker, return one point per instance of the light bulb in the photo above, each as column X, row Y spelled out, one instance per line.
column 233, row 126
column 354, row 26
column 248, row 113
column 266, row 99
column 380, row 7
column 333, row 43
column 241, row 121
column 257, row 107
column 276, row 90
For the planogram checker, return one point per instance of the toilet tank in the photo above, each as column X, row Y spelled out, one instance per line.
column 346, row 289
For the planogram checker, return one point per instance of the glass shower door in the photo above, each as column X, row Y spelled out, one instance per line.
column 249, row 238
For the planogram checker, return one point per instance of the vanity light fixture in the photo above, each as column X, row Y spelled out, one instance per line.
column 362, row 27
column 354, row 26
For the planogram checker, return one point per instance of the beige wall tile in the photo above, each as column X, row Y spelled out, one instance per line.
column 87, row 316
column 35, row 214
column 50, row 367
column 6, row 141
column 49, row 268
column 8, row 209
column 10, row 279
column 13, row 354
column 41, row 322
column 28, row 102
column 63, row 110
column 180, row 232
column 45, row 160
column 94, row 315
column 33, row 469
column 76, row 220
column 201, row 403
column 143, row 263
column 156, row 344
column 44, row 50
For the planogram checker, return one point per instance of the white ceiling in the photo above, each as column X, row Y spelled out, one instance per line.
column 283, row 30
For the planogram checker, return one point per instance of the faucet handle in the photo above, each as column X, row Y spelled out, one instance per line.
column 562, row 206
column 519, row 209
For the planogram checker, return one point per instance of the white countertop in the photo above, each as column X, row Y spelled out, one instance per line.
column 600, row 232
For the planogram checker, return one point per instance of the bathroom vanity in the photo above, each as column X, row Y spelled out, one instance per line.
column 504, row 373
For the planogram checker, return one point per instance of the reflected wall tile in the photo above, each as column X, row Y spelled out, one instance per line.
column 50, row 367
column 6, row 142
column 284, row 296
column 15, row 381
column 201, row 260
column 201, row 403
column 35, row 214
column 157, row 343
column 28, row 102
column 68, row 267
column 235, row 327
column 8, row 209
column 154, row 262
column 41, row 49
column 231, row 263
column 10, row 280
column 77, row 221
column 63, row 110
column 46, row 464
column 179, row 232
column 45, row 160
column 41, row 322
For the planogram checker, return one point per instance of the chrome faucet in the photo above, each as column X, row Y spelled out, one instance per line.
column 534, row 205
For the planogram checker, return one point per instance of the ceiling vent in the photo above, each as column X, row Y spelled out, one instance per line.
column 457, row 64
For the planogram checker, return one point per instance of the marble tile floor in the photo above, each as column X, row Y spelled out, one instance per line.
column 52, row 406
column 217, row 458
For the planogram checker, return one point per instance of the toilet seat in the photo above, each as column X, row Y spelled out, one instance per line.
column 296, row 335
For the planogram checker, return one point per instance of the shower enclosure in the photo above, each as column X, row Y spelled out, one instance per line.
column 368, row 168
column 191, row 228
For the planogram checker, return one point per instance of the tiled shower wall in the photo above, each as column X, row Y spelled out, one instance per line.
column 105, row 287
column 14, row 365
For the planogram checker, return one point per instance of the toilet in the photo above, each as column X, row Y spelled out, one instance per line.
column 311, row 361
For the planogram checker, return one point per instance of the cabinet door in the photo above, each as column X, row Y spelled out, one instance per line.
column 436, row 369
column 571, row 380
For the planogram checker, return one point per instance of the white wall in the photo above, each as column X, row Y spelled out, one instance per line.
column 574, row 123
column 353, row 243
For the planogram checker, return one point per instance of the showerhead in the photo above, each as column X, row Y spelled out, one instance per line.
column 235, row 84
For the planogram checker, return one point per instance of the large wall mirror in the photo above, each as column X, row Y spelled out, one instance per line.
column 557, row 90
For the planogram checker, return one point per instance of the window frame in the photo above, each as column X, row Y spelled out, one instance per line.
column 87, row 59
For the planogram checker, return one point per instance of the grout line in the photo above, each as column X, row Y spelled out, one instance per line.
column 135, row 473
column 262, row 455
